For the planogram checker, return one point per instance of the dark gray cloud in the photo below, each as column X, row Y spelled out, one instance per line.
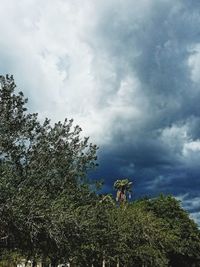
column 160, row 150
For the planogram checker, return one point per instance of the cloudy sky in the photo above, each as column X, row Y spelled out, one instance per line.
column 127, row 71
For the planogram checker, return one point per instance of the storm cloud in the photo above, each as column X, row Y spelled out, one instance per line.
column 127, row 71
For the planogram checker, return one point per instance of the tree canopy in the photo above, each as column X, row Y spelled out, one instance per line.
column 51, row 212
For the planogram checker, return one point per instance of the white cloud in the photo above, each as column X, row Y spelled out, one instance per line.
column 175, row 137
column 190, row 204
column 194, row 63
column 48, row 47
column 196, row 217
column 193, row 146
column 82, row 60
column 35, row 38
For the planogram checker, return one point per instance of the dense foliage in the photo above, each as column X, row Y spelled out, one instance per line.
column 49, row 211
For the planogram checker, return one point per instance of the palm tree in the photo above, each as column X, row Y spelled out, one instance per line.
column 123, row 187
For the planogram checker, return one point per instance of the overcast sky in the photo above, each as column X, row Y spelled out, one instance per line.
column 127, row 71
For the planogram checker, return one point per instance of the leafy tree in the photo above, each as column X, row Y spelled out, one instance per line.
column 39, row 164
column 187, row 250
column 143, row 238
column 123, row 187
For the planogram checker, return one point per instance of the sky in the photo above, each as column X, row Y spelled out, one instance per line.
column 127, row 72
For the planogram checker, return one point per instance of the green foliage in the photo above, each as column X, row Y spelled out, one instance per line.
column 43, row 170
column 123, row 183
column 50, row 212
column 10, row 259
column 186, row 252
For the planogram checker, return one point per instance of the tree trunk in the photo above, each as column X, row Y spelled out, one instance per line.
column 34, row 263
column 54, row 262
column 44, row 264
column 104, row 263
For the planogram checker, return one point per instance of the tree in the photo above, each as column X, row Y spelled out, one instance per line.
column 39, row 164
column 187, row 250
column 123, row 187
column 143, row 239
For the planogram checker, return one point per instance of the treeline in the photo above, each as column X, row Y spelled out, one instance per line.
column 50, row 212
